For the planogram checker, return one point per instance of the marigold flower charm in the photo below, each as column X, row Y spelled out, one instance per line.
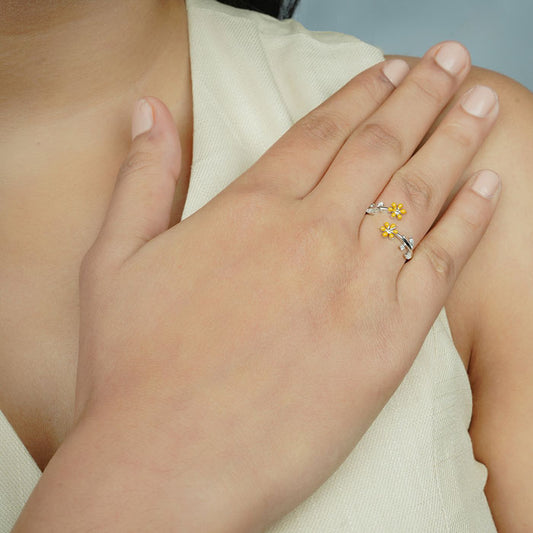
column 397, row 210
column 388, row 230
column 407, row 244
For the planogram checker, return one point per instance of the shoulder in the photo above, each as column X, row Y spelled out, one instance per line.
column 492, row 310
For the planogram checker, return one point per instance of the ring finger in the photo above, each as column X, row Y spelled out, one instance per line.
column 425, row 181
column 299, row 159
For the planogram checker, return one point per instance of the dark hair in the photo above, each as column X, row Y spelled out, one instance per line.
column 281, row 9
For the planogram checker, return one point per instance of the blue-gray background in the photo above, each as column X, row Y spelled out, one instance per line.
column 496, row 32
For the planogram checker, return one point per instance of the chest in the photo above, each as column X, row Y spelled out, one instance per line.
column 40, row 253
column 38, row 355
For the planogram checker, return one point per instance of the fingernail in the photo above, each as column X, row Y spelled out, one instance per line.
column 142, row 119
column 479, row 101
column 486, row 183
column 396, row 70
column 452, row 57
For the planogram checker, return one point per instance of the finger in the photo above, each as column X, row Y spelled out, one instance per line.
column 437, row 261
column 424, row 183
column 384, row 141
column 141, row 202
column 297, row 161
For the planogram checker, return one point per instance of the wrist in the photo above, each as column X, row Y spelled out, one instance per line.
column 166, row 463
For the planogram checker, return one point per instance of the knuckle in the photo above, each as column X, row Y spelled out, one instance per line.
column 417, row 190
column 379, row 136
column 431, row 90
column 137, row 162
column 374, row 88
column 472, row 219
column 441, row 261
column 324, row 126
column 460, row 134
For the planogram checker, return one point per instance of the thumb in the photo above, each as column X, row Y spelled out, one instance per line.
column 141, row 202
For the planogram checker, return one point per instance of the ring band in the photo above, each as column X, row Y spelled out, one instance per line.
column 391, row 230
column 407, row 246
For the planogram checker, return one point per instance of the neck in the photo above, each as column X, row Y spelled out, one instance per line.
column 62, row 57
column 70, row 71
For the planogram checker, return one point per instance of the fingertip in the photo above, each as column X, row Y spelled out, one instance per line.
column 154, row 126
column 396, row 70
column 142, row 119
column 487, row 184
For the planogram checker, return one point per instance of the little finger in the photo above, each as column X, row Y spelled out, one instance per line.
column 424, row 282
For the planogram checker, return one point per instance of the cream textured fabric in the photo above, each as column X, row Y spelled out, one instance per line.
column 18, row 475
column 414, row 470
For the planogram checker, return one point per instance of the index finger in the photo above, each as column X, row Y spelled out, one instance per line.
column 301, row 156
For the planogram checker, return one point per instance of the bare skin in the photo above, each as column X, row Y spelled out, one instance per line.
column 65, row 193
column 62, row 170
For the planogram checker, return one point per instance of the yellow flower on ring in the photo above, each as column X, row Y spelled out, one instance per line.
column 388, row 230
column 397, row 210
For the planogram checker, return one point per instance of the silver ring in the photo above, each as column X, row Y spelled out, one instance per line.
column 389, row 230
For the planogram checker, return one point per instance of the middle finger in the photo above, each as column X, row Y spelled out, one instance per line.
column 426, row 180
column 388, row 137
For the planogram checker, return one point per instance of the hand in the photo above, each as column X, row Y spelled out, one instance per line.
column 242, row 353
